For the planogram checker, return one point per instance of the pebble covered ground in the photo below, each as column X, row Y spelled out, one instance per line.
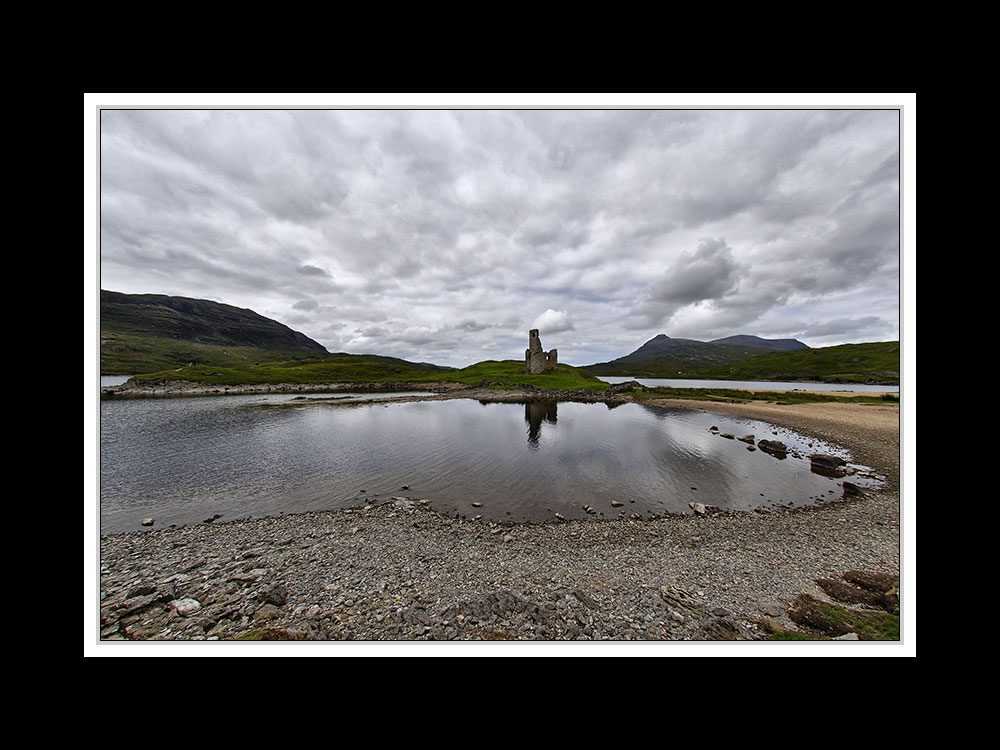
column 399, row 571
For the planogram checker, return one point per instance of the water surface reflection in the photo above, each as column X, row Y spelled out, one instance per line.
column 535, row 412
column 184, row 460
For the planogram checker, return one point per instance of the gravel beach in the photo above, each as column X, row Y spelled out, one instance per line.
column 399, row 571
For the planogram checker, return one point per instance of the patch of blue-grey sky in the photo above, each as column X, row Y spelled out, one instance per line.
column 443, row 236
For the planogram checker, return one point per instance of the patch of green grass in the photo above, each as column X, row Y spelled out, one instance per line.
column 312, row 370
column 847, row 363
column 510, row 374
column 353, row 369
column 870, row 625
column 126, row 354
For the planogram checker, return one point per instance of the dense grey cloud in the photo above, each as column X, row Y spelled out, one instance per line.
column 703, row 276
column 444, row 235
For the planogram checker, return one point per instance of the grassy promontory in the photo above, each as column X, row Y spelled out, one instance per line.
column 492, row 374
column 505, row 374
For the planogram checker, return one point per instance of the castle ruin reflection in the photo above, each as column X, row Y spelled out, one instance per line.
column 535, row 412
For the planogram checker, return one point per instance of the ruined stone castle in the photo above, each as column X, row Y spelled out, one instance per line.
column 535, row 360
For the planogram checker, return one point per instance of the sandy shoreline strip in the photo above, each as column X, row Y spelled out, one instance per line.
column 401, row 572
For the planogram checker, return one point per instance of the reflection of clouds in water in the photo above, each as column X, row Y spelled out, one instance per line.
column 685, row 431
column 186, row 459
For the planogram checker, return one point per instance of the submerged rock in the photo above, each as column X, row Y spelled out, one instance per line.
column 828, row 466
column 825, row 461
column 774, row 447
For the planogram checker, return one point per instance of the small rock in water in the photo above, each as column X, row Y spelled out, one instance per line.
column 826, row 462
column 698, row 508
column 147, row 521
column 774, row 447
column 477, row 505
column 616, row 504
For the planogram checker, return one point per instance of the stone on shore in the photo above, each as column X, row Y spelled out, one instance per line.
column 186, row 607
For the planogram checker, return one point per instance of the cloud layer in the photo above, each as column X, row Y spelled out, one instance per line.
column 443, row 236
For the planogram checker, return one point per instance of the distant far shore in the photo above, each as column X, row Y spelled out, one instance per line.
column 168, row 388
column 182, row 388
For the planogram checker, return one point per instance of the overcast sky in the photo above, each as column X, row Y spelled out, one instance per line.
column 444, row 235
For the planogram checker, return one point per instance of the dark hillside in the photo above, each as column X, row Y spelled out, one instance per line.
column 198, row 321
column 147, row 332
column 668, row 356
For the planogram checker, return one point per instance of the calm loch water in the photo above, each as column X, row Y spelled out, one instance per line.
column 181, row 461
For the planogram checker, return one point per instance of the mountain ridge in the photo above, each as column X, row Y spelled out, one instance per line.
column 745, row 340
column 679, row 355
column 780, row 360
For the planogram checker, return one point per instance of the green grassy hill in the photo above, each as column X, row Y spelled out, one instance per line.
column 509, row 371
column 145, row 332
column 847, row 363
column 739, row 358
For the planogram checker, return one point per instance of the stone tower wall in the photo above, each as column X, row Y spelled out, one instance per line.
column 537, row 361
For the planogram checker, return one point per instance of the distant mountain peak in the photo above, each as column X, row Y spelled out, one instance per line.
column 677, row 355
